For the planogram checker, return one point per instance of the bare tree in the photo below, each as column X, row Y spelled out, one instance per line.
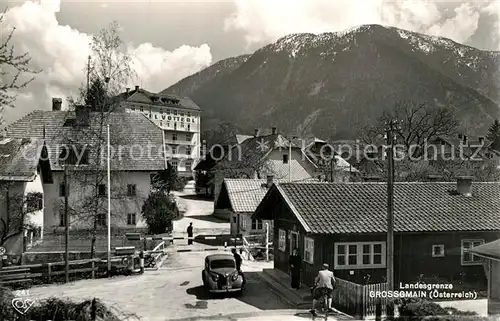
column 18, row 207
column 109, row 70
column 14, row 65
column 419, row 123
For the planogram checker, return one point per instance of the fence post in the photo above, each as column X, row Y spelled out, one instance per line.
column 93, row 269
column 378, row 310
column 267, row 242
column 93, row 310
column 49, row 271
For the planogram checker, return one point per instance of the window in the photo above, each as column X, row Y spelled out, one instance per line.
column 188, row 120
column 182, row 119
column 182, row 125
column 189, row 114
column 174, row 136
column 175, row 112
column 62, row 190
column 131, row 189
column 174, row 164
column 309, row 250
column 175, row 126
column 131, row 219
column 188, row 150
column 256, row 224
column 142, row 109
column 192, row 120
column 285, row 159
column 101, row 219
column 469, row 258
column 234, row 219
column 62, row 221
column 102, row 190
column 359, row 255
column 188, row 165
column 188, row 127
column 438, row 250
column 281, row 240
column 188, row 137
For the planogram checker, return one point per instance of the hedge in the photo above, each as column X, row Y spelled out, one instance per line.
column 418, row 309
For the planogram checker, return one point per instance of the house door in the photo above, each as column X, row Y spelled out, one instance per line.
column 294, row 241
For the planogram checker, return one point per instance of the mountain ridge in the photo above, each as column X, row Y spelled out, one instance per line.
column 327, row 84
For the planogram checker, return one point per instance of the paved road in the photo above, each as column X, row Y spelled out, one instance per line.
column 174, row 292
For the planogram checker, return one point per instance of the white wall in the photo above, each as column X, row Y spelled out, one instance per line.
column 121, row 204
column 35, row 218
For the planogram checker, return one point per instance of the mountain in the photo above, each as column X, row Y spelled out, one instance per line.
column 328, row 85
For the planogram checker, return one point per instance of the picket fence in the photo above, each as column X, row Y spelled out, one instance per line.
column 359, row 300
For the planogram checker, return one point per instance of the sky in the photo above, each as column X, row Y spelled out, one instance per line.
column 170, row 40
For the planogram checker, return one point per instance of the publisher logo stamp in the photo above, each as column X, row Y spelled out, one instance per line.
column 21, row 303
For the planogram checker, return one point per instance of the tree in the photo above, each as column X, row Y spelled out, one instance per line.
column 166, row 180
column 18, row 206
column 420, row 123
column 220, row 134
column 494, row 135
column 109, row 70
column 159, row 210
column 14, row 64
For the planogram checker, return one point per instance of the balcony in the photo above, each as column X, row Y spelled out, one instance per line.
column 178, row 142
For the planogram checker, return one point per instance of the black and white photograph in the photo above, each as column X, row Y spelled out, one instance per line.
column 249, row 160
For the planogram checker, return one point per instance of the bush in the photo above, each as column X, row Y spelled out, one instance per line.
column 62, row 310
column 159, row 210
column 418, row 309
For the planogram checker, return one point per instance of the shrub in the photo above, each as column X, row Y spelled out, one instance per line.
column 418, row 309
column 159, row 210
column 62, row 310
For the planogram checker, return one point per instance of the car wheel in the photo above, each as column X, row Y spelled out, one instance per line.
column 204, row 280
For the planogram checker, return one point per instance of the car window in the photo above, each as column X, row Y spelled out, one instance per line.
column 217, row 264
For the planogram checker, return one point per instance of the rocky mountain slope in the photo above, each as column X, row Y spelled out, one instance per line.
column 330, row 84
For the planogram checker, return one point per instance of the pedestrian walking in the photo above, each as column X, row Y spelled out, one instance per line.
column 295, row 266
column 239, row 260
column 190, row 233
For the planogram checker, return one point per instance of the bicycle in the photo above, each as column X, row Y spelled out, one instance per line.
column 324, row 300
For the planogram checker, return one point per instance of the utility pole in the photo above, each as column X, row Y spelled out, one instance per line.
column 391, row 126
column 66, row 220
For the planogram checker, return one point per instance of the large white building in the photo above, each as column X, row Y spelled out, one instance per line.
column 179, row 117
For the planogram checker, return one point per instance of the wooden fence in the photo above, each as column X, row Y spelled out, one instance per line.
column 359, row 300
column 45, row 272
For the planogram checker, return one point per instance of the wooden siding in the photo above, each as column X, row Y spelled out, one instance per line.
column 413, row 254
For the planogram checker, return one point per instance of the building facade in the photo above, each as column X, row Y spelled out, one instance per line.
column 72, row 140
column 178, row 117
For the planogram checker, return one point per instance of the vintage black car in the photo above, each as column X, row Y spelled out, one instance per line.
column 220, row 274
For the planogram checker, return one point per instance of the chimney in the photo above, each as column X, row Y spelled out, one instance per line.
column 127, row 90
column 56, row 103
column 82, row 114
column 274, row 130
column 270, row 181
column 136, row 88
column 464, row 185
column 435, row 178
column 256, row 132
column 481, row 140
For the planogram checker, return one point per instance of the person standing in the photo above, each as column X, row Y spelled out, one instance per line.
column 190, row 233
column 239, row 260
column 295, row 267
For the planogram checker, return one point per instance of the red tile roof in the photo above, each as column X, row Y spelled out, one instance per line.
column 326, row 208
column 131, row 135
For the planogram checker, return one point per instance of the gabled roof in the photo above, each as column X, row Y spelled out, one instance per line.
column 489, row 250
column 131, row 134
column 19, row 159
column 245, row 194
column 327, row 208
column 293, row 171
column 162, row 100
column 241, row 138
